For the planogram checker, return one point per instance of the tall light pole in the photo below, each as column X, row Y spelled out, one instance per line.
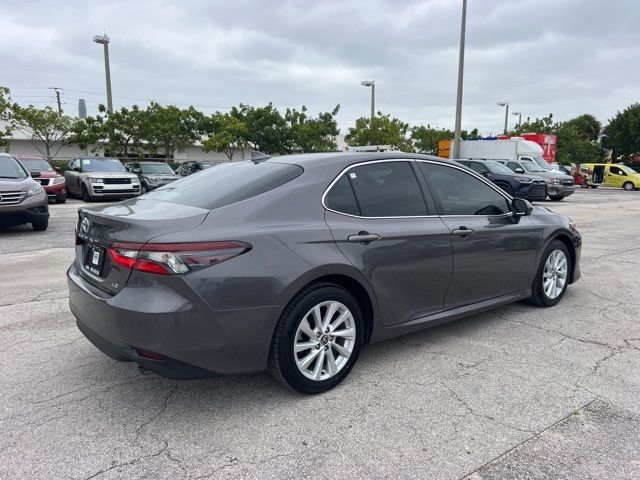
column 456, row 135
column 506, row 115
column 104, row 40
column 372, row 84
column 519, row 118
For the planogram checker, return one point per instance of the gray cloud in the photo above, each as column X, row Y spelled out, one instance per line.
column 561, row 56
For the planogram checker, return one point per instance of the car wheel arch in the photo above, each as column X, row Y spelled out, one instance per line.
column 347, row 280
column 566, row 240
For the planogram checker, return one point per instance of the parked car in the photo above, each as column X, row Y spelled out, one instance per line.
column 189, row 167
column 100, row 177
column 22, row 199
column 523, row 186
column 50, row 178
column 559, row 185
column 152, row 174
column 615, row 175
column 293, row 264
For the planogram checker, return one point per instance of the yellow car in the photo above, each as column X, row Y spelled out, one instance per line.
column 616, row 175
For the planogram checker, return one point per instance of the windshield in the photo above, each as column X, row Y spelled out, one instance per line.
column 628, row 170
column 542, row 163
column 497, row 167
column 36, row 164
column 531, row 166
column 162, row 168
column 225, row 184
column 102, row 165
column 10, row 168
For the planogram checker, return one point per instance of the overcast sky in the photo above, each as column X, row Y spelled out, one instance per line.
column 562, row 56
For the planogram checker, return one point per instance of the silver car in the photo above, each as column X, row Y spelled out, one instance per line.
column 100, row 177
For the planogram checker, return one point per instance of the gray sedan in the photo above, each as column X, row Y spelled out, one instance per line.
column 294, row 264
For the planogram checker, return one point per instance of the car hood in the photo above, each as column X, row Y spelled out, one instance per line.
column 48, row 174
column 12, row 185
column 110, row 174
column 164, row 176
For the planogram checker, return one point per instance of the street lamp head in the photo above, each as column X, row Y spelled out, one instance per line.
column 503, row 104
column 367, row 83
column 102, row 39
column 516, row 113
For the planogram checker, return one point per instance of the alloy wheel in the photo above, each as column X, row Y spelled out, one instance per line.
column 324, row 340
column 554, row 276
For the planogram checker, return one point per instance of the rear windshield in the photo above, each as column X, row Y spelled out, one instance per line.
column 226, row 184
column 10, row 168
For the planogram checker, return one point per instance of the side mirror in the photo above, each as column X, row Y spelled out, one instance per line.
column 75, row 168
column 57, row 169
column 519, row 170
column 34, row 173
column 484, row 174
column 136, row 170
column 521, row 207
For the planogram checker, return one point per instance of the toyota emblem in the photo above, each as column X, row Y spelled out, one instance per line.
column 84, row 225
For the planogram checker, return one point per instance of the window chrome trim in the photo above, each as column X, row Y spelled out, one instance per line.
column 346, row 169
column 409, row 160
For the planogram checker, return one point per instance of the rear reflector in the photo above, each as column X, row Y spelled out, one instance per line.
column 150, row 355
column 174, row 258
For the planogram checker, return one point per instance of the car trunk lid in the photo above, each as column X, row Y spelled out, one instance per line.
column 133, row 221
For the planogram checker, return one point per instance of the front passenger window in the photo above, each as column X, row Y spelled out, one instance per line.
column 463, row 194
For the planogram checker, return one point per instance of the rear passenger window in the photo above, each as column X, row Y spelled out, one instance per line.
column 463, row 194
column 387, row 189
column 341, row 198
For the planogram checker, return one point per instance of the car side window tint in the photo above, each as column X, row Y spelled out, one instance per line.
column 341, row 197
column 513, row 166
column 463, row 194
column 387, row 189
column 616, row 171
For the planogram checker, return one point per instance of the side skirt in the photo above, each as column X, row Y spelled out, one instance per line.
column 421, row 323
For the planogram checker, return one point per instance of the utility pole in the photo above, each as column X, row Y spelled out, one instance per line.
column 57, row 90
column 456, row 135
column 104, row 40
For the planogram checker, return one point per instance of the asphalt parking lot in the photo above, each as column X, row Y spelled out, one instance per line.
column 517, row 392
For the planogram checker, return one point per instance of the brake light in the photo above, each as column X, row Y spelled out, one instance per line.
column 174, row 258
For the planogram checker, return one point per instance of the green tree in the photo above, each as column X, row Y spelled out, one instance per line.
column 622, row 134
column 574, row 146
column 171, row 129
column 426, row 139
column 46, row 127
column 227, row 134
column 383, row 130
column 588, row 126
column 539, row 125
column 5, row 117
column 267, row 130
column 312, row 134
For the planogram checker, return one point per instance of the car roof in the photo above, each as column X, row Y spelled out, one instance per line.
column 344, row 159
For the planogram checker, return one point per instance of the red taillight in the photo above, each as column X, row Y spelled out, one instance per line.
column 174, row 258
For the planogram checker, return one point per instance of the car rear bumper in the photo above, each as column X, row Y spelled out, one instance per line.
column 195, row 340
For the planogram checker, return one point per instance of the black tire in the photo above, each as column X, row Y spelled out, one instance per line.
column 40, row 226
column 144, row 189
column 86, row 197
column 282, row 360
column 628, row 186
column 61, row 199
column 555, row 198
column 538, row 296
column 594, row 186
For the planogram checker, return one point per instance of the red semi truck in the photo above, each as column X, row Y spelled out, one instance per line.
column 546, row 140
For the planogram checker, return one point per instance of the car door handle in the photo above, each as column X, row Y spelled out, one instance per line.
column 463, row 232
column 365, row 238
